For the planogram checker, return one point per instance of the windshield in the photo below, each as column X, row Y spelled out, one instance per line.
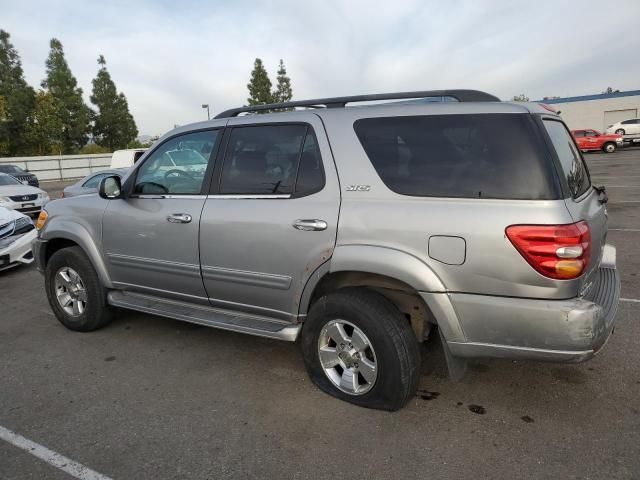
column 10, row 169
column 8, row 180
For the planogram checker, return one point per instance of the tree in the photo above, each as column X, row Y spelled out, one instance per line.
column 45, row 128
column 611, row 90
column 18, row 100
column 283, row 92
column 73, row 113
column 114, row 126
column 520, row 98
column 259, row 85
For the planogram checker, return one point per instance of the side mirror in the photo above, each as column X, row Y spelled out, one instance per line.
column 110, row 188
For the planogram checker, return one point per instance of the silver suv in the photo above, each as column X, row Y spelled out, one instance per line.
column 361, row 231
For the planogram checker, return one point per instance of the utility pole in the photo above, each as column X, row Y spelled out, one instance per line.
column 206, row 105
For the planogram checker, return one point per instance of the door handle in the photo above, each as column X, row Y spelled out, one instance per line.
column 310, row 225
column 179, row 218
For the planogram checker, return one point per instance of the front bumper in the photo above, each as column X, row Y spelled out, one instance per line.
column 18, row 252
column 39, row 247
column 557, row 330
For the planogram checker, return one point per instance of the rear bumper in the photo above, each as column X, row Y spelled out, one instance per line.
column 556, row 330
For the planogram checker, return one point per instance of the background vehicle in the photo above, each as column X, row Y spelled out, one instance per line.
column 89, row 184
column 23, row 176
column 424, row 234
column 626, row 127
column 16, row 234
column 590, row 140
column 126, row 158
column 16, row 196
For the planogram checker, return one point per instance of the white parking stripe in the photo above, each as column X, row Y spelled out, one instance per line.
column 65, row 464
column 624, row 229
column 630, row 300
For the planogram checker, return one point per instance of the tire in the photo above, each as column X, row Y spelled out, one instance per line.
column 609, row 147
column 395, row 349
column 620, row 131
column 95, row 312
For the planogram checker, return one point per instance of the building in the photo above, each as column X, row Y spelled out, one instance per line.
column 597, row 111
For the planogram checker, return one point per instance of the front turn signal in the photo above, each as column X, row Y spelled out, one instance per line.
column 42, row 218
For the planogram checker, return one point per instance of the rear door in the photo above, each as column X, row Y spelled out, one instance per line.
column 582, row 199
column 271, row 217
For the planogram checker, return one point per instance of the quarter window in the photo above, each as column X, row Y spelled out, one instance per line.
column 272, row 160
column 178, row 166
column 464, row 155
column 575, row 171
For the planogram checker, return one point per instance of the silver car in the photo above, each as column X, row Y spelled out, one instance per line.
column 361, row 232
column 90, row 183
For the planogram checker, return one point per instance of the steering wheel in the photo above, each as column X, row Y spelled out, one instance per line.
column 180, row 173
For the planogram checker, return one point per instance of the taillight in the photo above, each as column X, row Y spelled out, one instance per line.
column 555, row 251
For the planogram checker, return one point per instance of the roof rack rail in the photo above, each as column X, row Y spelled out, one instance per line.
column 340, row 102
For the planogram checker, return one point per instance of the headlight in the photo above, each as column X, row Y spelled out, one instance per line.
column 43, row 195
column 42, row 218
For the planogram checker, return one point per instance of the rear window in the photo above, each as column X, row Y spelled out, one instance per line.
column 464, row 156
column 573, row 167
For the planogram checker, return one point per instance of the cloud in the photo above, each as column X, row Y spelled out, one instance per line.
column 169, row 58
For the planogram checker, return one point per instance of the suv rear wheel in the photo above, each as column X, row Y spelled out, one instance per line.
column 358, row 347
column 620, row 131
column 74, row 291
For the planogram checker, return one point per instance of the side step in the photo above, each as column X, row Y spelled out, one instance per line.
column 204, row 315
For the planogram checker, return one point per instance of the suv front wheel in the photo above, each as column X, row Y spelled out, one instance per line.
column 74, row 291
column 358, row 347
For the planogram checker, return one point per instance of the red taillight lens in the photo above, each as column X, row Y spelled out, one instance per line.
column 555, row 251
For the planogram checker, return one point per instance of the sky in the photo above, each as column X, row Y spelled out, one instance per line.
column 169, row 58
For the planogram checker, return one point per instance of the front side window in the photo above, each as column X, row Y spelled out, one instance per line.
column 463, row 156
column 573, row 167
column 272, row 160
column 590, row 133
column 178, row 166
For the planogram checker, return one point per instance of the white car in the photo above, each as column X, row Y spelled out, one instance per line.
column 626, row 127
column 126, row 158
column 24, row 198
column 16, row 234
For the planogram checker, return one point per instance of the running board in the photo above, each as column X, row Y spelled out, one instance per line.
column 204, row 315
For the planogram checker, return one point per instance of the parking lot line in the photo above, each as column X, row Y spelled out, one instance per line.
column 624, row 229
column 61, row 462
column 630, row 300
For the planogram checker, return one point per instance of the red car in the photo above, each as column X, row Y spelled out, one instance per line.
column 590, row 139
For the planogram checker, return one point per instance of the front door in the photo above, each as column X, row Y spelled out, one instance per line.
column 151, row 237
column 271, row 218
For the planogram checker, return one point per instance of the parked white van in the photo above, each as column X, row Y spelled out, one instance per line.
column 126, row 158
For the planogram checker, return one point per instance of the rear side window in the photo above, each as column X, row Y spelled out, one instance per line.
column 573, row 167
column 464, row 156
column 272, row 159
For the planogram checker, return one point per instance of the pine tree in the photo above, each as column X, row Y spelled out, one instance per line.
column 259, row 85
column 17, row 98
column 73, row 113
column 114, row 126
column 45, row 128
column 283, row 92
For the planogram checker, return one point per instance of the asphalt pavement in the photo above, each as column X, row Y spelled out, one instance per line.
column 149, row 397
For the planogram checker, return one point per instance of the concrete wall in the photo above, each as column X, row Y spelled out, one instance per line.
column 600, row 113
column 61, row 167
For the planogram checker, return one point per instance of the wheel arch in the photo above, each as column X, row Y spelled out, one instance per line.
column 401, row 278
column 62, row 234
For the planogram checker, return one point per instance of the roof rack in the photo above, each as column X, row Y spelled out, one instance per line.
column 340, row 102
